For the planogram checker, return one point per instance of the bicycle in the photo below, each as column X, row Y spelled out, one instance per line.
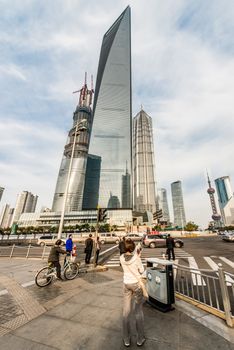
column 47, row 274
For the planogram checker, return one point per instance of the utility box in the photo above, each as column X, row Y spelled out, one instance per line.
column 160, row 284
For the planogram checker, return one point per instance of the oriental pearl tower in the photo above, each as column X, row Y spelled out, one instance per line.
column 216, row 217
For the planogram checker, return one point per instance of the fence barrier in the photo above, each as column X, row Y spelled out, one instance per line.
column 211, row 290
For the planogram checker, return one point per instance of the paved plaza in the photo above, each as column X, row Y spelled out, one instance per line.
column 86, row 314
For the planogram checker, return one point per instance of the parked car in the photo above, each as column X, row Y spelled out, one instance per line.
column 134, row 236
column 48, row 240
column 109, row 238
column 228, row 237
column 159, row 240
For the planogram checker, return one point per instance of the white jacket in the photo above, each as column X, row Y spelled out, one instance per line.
column 134, row 263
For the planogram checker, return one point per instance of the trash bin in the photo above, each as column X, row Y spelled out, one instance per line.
column 160, row 284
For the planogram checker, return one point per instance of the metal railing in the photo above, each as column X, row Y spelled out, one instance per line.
column 29, row 251
column 38, row 252
column 211, row 290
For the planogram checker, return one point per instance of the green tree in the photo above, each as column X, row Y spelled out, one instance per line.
column 190, row 226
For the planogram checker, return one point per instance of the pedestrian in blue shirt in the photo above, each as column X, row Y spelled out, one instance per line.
column 69, row 246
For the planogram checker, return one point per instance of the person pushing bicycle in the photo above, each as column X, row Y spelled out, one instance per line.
column 53, row 258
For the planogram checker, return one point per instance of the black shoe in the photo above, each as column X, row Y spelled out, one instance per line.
column 141, row 343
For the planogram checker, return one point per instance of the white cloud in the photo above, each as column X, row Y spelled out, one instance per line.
column 182, row 61
column 13, row 71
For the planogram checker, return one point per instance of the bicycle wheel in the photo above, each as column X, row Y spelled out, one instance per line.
column 44, row 277
column 71, row 271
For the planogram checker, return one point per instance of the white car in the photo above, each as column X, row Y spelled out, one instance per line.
column 109, row 238
column 229, row 237
column 48, row 240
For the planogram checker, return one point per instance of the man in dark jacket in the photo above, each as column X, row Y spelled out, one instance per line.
column 170, row 247
column 53, row 258
column 88, row 249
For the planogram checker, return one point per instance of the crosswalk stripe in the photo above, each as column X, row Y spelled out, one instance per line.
column 227, row 261
column 215, row 267
column 196, row 275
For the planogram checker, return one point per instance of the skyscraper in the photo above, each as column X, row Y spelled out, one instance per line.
column 144, row 185
column 111, row 131
column 226, row 199
column 6, row 216
column 92, row 181
column 126, row 190
column 178, row 204
column 1, row 192
column 26, row 203
column 163, row 204
column 76, row 179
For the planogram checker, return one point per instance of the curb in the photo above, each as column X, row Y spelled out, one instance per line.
column 209, row 321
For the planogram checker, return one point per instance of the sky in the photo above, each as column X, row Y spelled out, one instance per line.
column 182, row 74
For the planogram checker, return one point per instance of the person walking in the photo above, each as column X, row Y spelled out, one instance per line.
column 122, row 246
column 170, row 244
column 133, row 295
column 53, row 258
column 88, row 248
column 69, row 246
column 98, row 248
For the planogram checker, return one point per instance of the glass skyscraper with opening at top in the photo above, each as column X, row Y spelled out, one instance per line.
column 111, row 130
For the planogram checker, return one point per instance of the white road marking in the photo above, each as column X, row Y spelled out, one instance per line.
column 196, row 275
column 227, row 261
column 215, row 267
column 175, row 269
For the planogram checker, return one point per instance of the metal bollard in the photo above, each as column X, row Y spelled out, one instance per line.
column 225, row 296
column 43, row 252
column 29, row 246
column 12, row 250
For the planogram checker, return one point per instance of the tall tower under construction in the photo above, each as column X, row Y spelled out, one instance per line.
column 74, row 200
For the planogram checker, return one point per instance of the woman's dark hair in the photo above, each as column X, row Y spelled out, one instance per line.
column 58, row 242
column 129, row 245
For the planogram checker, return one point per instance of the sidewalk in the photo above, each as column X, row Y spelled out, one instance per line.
column 86, row 314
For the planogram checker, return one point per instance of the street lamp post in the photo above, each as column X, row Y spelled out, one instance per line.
column 80, row 127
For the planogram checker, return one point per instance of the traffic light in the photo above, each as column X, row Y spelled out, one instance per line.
column 102, row 214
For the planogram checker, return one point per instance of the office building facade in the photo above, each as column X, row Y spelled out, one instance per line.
column 111, row 130
column 92, row 182
column 26, row 203
column 144, row 184
column 6, row 216
column 163, row 205
column 1, row 192
column 178, row 204
column 126, row 190
column 225, row 199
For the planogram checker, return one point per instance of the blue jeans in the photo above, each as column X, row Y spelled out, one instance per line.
column 132, row 303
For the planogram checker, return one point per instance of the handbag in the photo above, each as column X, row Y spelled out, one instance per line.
column 141, row 283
